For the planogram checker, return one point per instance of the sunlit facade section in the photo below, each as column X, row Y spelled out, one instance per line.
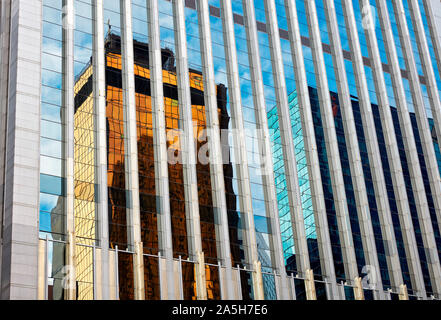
column 85, row 190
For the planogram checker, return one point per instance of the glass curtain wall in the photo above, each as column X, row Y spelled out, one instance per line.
column 118, row 190
column 261, row 221
column 52, row 146
column 208, row 220
column 321, row 149
column 146, row 168
column 236, row 232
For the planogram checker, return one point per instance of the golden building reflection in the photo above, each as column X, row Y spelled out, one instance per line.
column 85, row 174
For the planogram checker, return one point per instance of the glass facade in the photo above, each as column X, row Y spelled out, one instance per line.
column 206, row 231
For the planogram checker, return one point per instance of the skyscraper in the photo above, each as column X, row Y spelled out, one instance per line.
column 218, row 149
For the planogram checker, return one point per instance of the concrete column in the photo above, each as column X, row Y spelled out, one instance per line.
column 238, row 285
column 162, row 263
column 116, row 273
column 215, row 154
column 138, row 265
column 258, row 281
column 341, row 290
column 264, row 144
column 131, row 147
column 410, row 146
column 97, row 274
column 200, row 277
column 113, row 276
column 179, row 286
column 403, row 295
column 375, row 162
column 160, row 146
column 292, row 286
column 222, row 281
column 5, row 11
column 333, row 155
column 358, row 289
column 240, row 150
column 320, row 215
column 42, row 269
column 69, row 106
column 99, row 93
column 417, row 96
column 310, row 286
column 70, row 291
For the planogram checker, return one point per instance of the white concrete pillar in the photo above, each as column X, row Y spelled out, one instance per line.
column 403, row 294
column 42, row 269
column 310, row 285
column 358, row 289
column 258, row 281
column 201, row 286
column 113, row 275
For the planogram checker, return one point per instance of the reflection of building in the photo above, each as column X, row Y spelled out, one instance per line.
column 116, row 158
column 58, row 261
column 84, row 178
column 84, row 183
column 286, row 228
